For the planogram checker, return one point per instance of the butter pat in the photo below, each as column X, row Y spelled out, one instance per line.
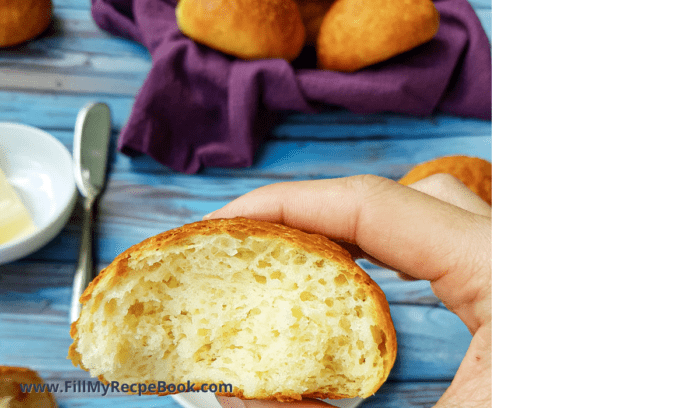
column 15, row 221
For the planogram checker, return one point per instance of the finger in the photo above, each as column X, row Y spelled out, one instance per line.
column 406, row 277
column 442, row 186
column 227, row 402
column 450, row 189
column 473, row 380
column 410, row 231
column 357, row 253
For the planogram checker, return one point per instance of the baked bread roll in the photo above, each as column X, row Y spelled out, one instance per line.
column 22, row 20
column 312, row 14
column 277, row 313
column 11, row 395
column 357, row 33
column 474, row 172
column 247, row 29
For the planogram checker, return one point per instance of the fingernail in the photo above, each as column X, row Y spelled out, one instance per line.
column 208, row 216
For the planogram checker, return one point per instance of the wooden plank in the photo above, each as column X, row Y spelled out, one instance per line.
column 138, row 205
column 48, row 82
column 75, row 55
column 77, row 62
column 480, row 4
column 280, row 160
column 432, row 343
column 390, row 158
column 413, row 394
column 74, row 30
column 144, row 198
column 485, row 18
column 132, row 401
column 51, row 111
column 341, row 125
column 74, row 4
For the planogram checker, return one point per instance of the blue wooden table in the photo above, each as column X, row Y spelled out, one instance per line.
column 45, row 82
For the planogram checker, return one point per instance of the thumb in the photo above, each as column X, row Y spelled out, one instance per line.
column 229, row 402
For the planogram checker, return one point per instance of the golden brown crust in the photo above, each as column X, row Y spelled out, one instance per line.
column 358, row 33
column 22, row 20
column 248, row 29
column 10, row 380
column 242, row 228
column 312, row 14
column 474, row 172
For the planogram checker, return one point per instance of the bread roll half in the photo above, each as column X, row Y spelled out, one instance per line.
column 277, row 313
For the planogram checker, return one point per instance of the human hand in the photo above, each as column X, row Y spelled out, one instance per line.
column 436, row 230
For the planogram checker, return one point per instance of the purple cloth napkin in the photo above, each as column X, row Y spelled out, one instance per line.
column 200, row 108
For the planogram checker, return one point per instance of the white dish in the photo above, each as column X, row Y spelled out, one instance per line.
column 208, row 400
column 40, row 169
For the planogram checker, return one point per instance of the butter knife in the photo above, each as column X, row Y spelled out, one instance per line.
column 90, row 155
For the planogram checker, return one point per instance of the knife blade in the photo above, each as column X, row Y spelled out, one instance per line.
column 90, row 156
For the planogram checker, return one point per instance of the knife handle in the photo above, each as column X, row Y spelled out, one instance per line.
column 85, row 271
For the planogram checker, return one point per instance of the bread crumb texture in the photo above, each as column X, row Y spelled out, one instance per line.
column 277, row 313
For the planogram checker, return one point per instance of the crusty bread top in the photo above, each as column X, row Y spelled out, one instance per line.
column 240, row 229
column 348, row 34
column 357, row 33
column 11, row 394
column 248, row 29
